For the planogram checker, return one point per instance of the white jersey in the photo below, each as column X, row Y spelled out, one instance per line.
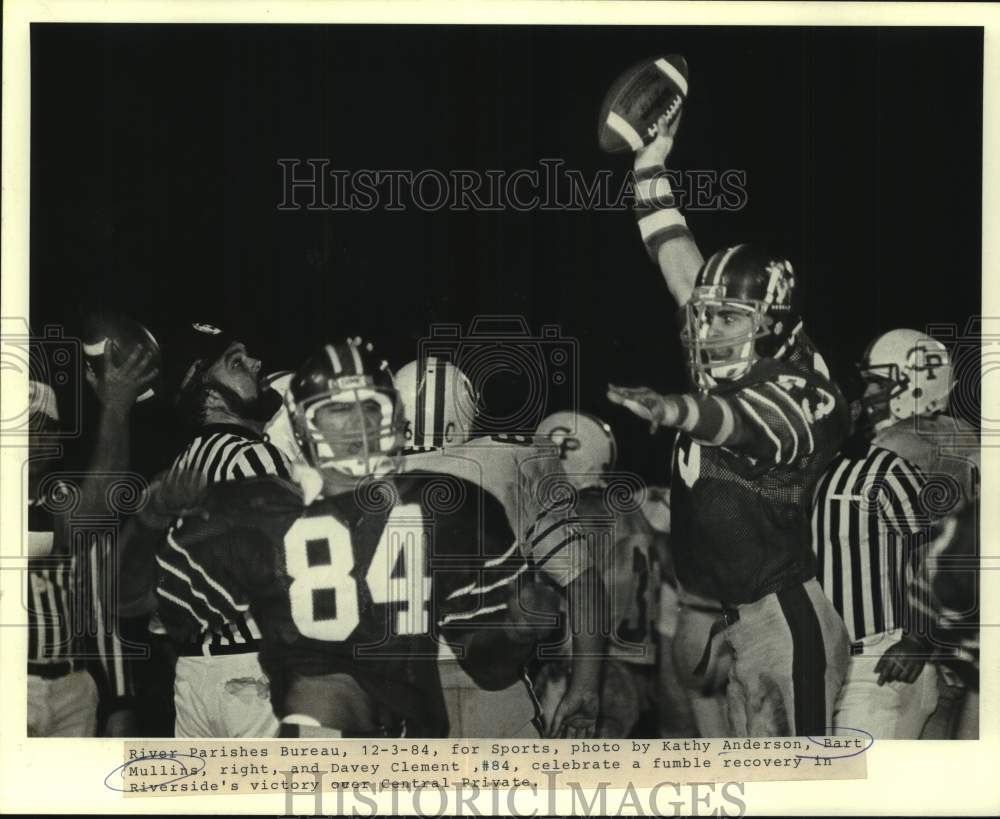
column 524, row 473
column 942, row 447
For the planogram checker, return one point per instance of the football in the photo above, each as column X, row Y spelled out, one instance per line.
column 637, row 99
column 116, row 335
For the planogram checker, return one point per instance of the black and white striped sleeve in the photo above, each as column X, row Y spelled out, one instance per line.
column 900, row 489
column 255, row 460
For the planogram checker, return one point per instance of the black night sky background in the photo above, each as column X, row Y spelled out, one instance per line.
column 155, row 183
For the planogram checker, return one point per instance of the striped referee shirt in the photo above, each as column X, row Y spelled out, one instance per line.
column 868, row 528
column 70, row 622
column 191, row 596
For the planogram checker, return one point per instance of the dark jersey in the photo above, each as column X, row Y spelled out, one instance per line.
column 741, row 518
column 362, row 583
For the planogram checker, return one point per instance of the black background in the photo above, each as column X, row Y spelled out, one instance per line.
column 155, row 183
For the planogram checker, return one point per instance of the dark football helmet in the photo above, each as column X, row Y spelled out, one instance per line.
column 349, row 378
column 740, row 281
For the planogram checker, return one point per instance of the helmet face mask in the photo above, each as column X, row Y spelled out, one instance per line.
column 740, row 311
column 349, row 423
column 720, row 335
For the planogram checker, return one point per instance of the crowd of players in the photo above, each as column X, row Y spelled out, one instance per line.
column 336, row 551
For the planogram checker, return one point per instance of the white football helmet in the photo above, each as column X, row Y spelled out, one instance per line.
column 439, row 403
column 914, row 371
column 586, row 445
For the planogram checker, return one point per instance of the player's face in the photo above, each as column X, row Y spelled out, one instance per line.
column 875, row 398
column 722, row 324
column 239, row 371
column 347, row 425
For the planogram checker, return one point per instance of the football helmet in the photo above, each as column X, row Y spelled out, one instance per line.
column 912, row 371
column 740, row 281
column 349, row 374
column 439, row 403
column 587, row 446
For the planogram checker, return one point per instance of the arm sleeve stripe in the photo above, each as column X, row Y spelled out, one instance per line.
column 467, row 615
column 472, row 588
column 225, row 595
column 545, row 513
column 552, row 528
column 496, row 561
column 178, row 573
column 728, row 422
column 659, row 220
column 654, row 192
column 787, row 399
column 767, row 430
column 752, row 393
column 575, row 537
column 178, row 602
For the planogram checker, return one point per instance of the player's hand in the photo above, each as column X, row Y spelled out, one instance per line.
column 171, row 496
column 576, row 715
column 655, row 154
column 121, row 384
column 645, row 403
column 902, row 662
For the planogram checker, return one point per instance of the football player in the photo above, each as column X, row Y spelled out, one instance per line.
column 354, row 573
column 525, row 474
column 634, row 523
column 908, row 380
column 69, row 603
column 751, row 443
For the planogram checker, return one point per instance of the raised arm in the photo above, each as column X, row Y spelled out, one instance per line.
column 664, row 230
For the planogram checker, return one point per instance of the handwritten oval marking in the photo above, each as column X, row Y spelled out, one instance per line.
column 158, row 759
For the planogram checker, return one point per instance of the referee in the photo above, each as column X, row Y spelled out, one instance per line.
column 868, row 530
column 220, row 690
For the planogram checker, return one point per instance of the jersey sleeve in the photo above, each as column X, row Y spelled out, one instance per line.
column 472, row 593
column 210, row 569
column 783, row 417
column 900, row 498
column 557, row 543
column 257, row 459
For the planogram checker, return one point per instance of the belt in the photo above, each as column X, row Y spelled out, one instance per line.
column 729, row 616
column 857, row 648
column 50, row 671
column 209, row 650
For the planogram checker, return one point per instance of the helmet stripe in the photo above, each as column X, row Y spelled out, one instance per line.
column 419, row 422
column 334, row 359
column 356, row 356
column 723, row 262
column 440, row 375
